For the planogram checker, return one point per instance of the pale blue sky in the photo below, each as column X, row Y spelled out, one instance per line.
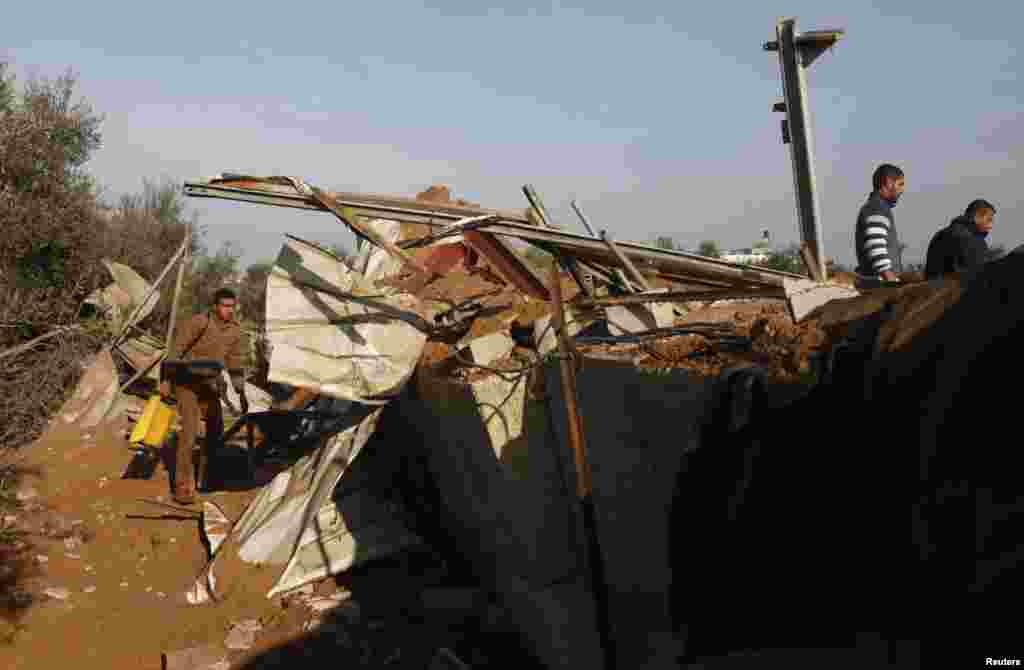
column 656, row 116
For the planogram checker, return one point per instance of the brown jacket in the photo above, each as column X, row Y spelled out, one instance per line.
column 220, row 342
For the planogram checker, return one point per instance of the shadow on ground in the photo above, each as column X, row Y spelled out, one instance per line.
column 405, row 612
column 15, row 562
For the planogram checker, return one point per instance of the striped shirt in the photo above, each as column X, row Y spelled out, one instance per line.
column 875, row 238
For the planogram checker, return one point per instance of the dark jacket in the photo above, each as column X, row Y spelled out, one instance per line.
column 875, row 238
column 956, row 248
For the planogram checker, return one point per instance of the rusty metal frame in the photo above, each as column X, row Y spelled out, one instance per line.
column 670, row 263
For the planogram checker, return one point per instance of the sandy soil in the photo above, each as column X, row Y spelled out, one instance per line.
column 125, row 577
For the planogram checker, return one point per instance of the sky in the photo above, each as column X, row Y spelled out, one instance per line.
column 655, row 116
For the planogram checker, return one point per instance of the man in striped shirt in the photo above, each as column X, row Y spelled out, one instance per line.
column 878, row 246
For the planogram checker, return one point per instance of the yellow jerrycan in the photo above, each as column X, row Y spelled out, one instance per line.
column 154, row 424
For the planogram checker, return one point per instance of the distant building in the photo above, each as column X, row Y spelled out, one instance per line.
column 750, row 256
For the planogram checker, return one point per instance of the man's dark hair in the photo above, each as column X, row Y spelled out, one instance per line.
column 883, row 172
column 978, row 205
column 224, row 294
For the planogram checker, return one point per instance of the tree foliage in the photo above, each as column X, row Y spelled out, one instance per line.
column 786, row 260
column 253, row 294
column 49, row 251
column 710, row 249
column 210, row 273
column 55, row 233
column 144, row 230
column 48, row 258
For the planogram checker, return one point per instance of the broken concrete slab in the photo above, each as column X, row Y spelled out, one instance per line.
column 805, row 295
column 638, row 318
column 485, row 350
column 629, row 319
column 544, row 334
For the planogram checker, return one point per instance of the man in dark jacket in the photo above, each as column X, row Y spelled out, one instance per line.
column 962, row 245
column 875, row 238
column 203, row 346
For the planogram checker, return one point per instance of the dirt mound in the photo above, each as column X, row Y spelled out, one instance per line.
column 682, row 348
column 788, row 345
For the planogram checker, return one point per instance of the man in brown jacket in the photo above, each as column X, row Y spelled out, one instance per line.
column 205, row 345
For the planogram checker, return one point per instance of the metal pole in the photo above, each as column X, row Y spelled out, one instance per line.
column 583, row 474
column 584, row 478
column 583, row 218
column 180, row 254
column 586, row 224
column 677, row 296
column 568, row 262
column 793, row 64
column 177, row 290
column 626, row 263
column 159, row 280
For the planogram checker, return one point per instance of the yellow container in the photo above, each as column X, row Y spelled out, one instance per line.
column 154, row 424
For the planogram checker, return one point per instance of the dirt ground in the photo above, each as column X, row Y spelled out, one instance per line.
column 125, row 577
column 117, row 582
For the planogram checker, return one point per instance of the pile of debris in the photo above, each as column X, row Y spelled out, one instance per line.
column 441, row 324
column 441, row 332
